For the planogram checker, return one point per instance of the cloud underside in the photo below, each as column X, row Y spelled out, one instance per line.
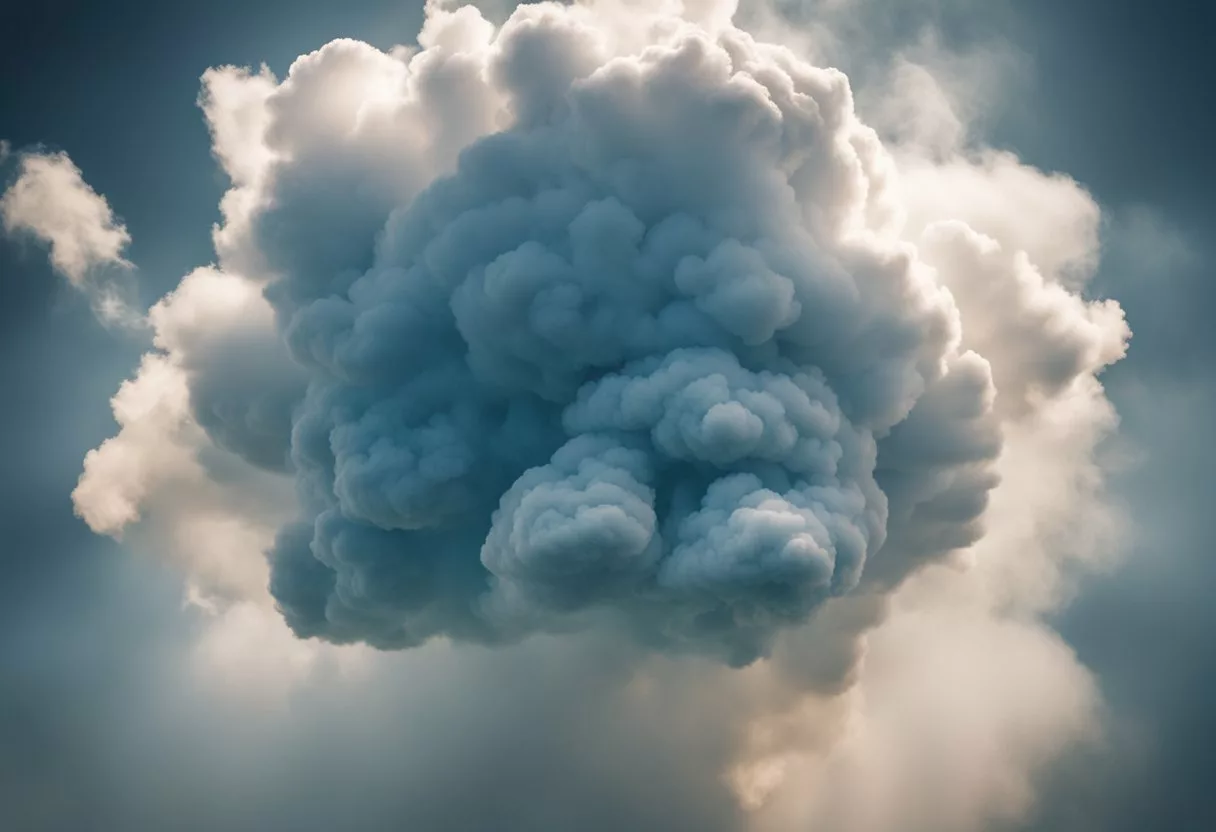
column 610, row 321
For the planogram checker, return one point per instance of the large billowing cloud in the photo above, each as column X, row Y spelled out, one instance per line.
column 625, row 322
column 592, row 364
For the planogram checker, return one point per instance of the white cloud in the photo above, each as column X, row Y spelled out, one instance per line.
column 51, row 202
column 206, row 509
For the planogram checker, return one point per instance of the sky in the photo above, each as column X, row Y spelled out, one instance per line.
column 1049, row 677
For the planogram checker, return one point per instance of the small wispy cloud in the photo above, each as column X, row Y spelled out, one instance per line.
column 51, row 202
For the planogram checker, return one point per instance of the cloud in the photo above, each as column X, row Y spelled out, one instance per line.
column 618, row 327
column 162, row 473
column 50, row 201
column 501, row 331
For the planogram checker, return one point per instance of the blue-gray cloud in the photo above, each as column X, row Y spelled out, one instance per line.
column 599, row 364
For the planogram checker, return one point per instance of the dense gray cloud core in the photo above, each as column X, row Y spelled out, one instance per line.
column 638, row 350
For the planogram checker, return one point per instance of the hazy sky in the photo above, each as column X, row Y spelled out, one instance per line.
column 105, row 720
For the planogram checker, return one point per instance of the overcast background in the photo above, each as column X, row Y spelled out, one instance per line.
column 1117, row 93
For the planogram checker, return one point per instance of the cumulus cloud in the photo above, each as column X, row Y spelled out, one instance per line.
column 50, row 201
column 623, row 321
column 567, row 388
